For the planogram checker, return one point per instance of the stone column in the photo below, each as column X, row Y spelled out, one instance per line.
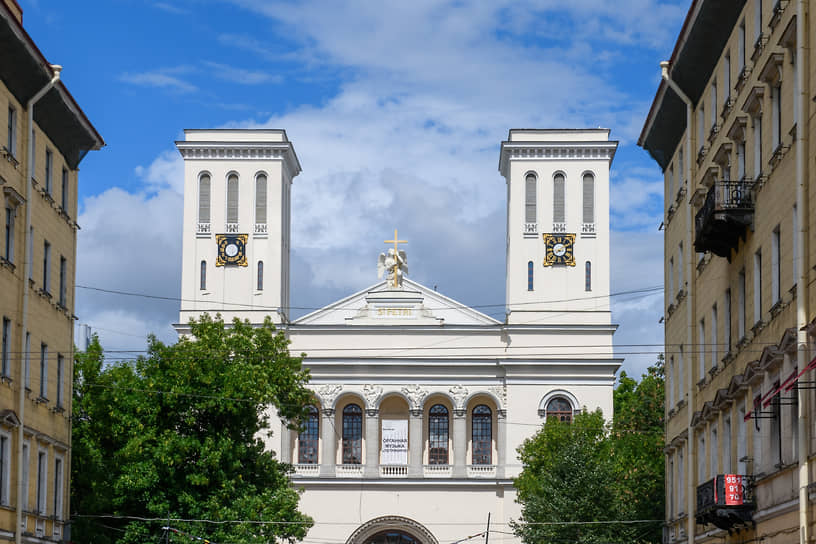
column 327, row 437
column 415, row 443
column 372, row 440
column 460, row 443
column 501, row 442
column 286, row 444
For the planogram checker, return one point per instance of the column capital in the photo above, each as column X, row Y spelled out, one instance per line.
column 416, row 413
column 459, row 413
column 501, row 414
column 328, row 412
column 372, row 412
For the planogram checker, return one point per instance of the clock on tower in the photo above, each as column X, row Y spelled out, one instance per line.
column 559, row 249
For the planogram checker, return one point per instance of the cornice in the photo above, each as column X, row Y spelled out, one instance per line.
column 598, row 150
column 283, row 151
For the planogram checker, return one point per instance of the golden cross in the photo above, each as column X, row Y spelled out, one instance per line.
column 396, row 241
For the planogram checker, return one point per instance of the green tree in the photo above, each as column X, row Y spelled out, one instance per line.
column 178, row 434
column 592, row 471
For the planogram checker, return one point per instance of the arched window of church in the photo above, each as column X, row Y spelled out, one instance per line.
column 589, row 198
column 204, row 198
column 560, row 408
column 482, row 432
column 588, row 278
column 352, row 435
column 559, row 211
column 438, row 435
column 232, row 198
column 308, row 438
column 529, row 275
column 260, row 275
column 260, row 199
column 203, row 278
column 530, row 199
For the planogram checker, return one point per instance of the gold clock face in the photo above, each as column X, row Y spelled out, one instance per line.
column 231, row 249
column 559, row 249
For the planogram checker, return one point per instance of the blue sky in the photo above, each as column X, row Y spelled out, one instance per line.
column 396, row 111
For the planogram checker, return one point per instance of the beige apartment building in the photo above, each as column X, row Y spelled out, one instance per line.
column 731, row 129
column 38, row 186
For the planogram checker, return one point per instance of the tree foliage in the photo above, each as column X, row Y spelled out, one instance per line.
column 177, row 434
column 594, row 471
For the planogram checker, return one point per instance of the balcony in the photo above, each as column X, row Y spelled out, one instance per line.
column 530, row 228
column 349, row 471
column 559, row 227
column 307, row 469
column 393, row 471
column 721, row 222
column 437, row 471
column 203, row 228
column 725, row 501
column 231, row 227
column 481, row 471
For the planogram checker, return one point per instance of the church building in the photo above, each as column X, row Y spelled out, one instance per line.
column 420, row 401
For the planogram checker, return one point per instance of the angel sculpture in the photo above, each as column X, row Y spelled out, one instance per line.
column 395, row 264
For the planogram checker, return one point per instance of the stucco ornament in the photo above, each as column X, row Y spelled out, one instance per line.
column 459, row 394
column 416, row 395
column 372, row 394
column 501, row 393
column 328, row 393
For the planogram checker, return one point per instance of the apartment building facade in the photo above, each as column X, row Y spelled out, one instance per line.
column 45, row 135
column 730, row 128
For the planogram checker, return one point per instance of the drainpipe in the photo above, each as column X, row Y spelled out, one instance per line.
column 800, row 239
column 691, row 499
column 27, row 173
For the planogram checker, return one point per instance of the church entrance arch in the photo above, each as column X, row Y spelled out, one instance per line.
column 391, row 530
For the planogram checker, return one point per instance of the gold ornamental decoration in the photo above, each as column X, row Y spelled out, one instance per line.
column 231, row 249
column 559, row 248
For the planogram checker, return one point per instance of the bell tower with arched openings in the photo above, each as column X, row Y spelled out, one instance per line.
column 236, row 232
column 557, row 225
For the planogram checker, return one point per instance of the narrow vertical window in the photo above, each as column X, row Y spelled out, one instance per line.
column 741, row 161
column 438, row 425
column 681, row 169
column 5, row 350
column 64, row 190
column 757, row 19
column 670, row 382
column 49, row 170
column 681, row 480
column 726, row 441
column 232, row 198
column 559, row 212
column 726, row 78
column 670, row 286
column 260, row 199
column 27, row 356
column 713, row 104
column 681, row 374
column 714, row 337
column 482, row 435
column 530, row 199
column 260, row 275
column 741, row 47
column 757, row 287
column 26, row 470
column 670, row 183
column 701, row 125
column 776, row 116
column 5, row 469
column 796, row 235
column 60, row 379
column 589, row 198
column 701, row 460
column 352, row 435
column 308, row 439
column 58, row 488
column 42, row 473
column 588, row 276
column 8, row 247
column 31, row 253
column 529, row 275
column 701, row 348
column 12, row 131
column 46, row 278
column 203, row 276
column 741, row 304
column 714, row 453
column 776, row 264
column 204, row 198
column 63, row 282
column 43, row 371
column 727, row 321
column 680, row 265
column 757, row 147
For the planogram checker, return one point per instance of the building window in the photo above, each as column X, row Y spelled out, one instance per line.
column 741, row 161
column 64, row 191
column 701, row 459
column 232, row 198
column 26, row 470
column 8, row 252
column 680, row 264
column 757, row 147
column 670, row 289
column 482, row 433
column 588, row 276
column 31, row 253
column 260, row 199
column 260, row 275
column 741, row 47
column 63, row 282
column 726, row 441
column 589, row 198
column 530, row 199
column 726, row 78
column 701, row 125
column 741, row 304
column 669, row 385
column 757, row 19
column 714, row 453
column 776, row 116
column 27, row 356
column 46, row 278
column 727, row 322
column 701, row 348
column 560, row 409
column 776, row 263
column 438, row 435
column 58, row 488
column 12, row 131
column 714, row 337
column 308, row 439
column 796, row 233
column 352, row 435
column 203, row 276
column 681, row 375
column 757, row 286
column 529, row 275
column 60, row 379
column 43, row 371
column 5, row 469
column 670, row 183
column 49, row 170
column 204, row 198
column 559, row 196
column 42, row 474
column 681, row 480
column 713, row 108
column 5, row 354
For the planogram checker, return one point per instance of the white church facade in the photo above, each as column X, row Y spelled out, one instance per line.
column 420, row 401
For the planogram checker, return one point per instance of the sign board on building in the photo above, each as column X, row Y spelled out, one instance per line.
column 733, row 489
column 394, row 447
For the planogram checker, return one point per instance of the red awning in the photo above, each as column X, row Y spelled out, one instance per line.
column 811, row 365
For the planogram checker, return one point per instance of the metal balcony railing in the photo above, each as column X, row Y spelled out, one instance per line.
column 721, row 221
column 725, row 501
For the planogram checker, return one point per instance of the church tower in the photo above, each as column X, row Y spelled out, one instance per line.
column 237, row 200
column 557, row 225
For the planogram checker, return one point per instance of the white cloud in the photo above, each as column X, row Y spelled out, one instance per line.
column 158, row 79
column 165, row 172
column 240, row 76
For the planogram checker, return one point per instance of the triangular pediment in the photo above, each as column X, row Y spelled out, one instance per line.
column 412, row 304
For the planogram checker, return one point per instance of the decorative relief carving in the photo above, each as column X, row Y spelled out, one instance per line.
column 459, row 394
column 415, row 394
column 372, row 394
column 328, row 393
column 501, row 393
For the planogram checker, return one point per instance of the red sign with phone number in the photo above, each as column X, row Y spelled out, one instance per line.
column 733, row 489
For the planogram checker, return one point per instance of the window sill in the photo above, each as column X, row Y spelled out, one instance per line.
column 41, row 400
column 5, row 263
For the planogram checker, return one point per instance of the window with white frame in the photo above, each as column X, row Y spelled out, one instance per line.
column 260, row 284
column 741, row 304
column 740, row 160
column 701, row 348
column 726, row 442
column 530, row 198
column 758, row 286
column 202, row 279
column 12, row 131
column 8, row 247
column 559, row 196
column 46, row 263
column 757, row 146
column 260, row 199
column 726, row 78
column 27, row 356
column 42, row 481
column 713, row 107
column 60, row 379
column 204, row 198
column 776, row 263
column 727, row 321
column 589, row 198
column 5, row 348
column 714, row 337
column 26, row 471
column 741, row 46
column 58, row 486
column 714, row 452
column 5, row 468
column 43, row 371
column 232, row 198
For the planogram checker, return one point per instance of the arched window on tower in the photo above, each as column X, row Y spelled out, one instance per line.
column 530, row 199
column 204, row 198
column 308, row 438
column 260, row 275
column 260, row 199
column 588, row 276
column 589, row 198
column 560, row 408
column 352, row 435
column 438, row 435
column 203, row 276
column 559, row 195
column 232, row 198
column 529, row 275
column 482, row 433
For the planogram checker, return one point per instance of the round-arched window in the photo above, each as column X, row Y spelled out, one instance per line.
column 438, row 435
column 482, row 432
column 560, row 408
column 308, row 438
column 352, row 435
